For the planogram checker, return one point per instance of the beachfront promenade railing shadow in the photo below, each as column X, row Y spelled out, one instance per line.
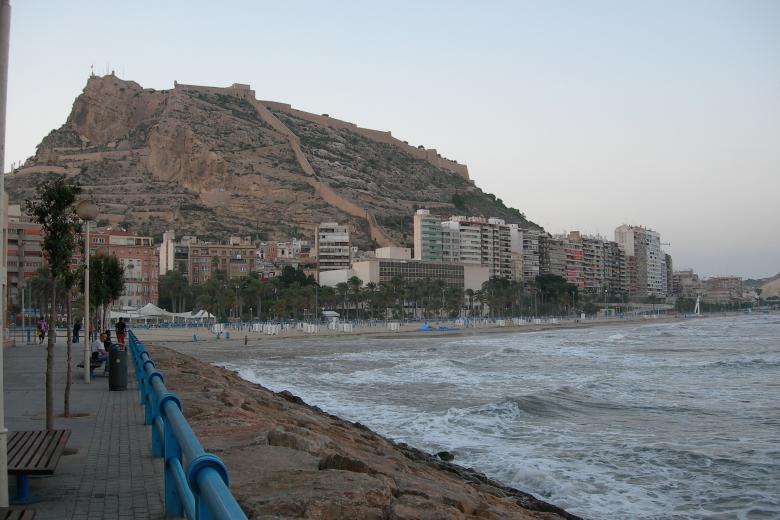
column 201, row 491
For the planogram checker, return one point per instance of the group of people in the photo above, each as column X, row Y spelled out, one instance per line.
column 100, row 346
column 102, row 343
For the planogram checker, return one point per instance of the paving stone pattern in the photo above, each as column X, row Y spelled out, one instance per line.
column 121, row 479
column 112, row 473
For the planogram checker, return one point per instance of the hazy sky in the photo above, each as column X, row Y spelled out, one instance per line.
column 584, row 115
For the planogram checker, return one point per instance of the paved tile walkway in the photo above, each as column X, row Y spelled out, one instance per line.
column 112, row 473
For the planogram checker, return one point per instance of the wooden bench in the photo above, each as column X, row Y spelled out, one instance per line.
column 35, row 452
column 92, row 366
column 13, row 513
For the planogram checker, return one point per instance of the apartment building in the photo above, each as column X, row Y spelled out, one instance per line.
column 720, row 288
column 645, row 260
column 464, row 240
column 236, row 257
column 686, row 283
column 427, row 236
column 575, row 273
column 138, row 257
column 615, row 270
column 531, row 269
column 552, row 255
column 332, row 247
column 24, row 252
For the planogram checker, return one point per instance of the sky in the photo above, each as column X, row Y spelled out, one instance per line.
column 583, row 115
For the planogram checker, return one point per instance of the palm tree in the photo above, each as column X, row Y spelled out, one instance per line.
column 470, row 295
column 371, row 289
column 354, row 284
column 342, row 290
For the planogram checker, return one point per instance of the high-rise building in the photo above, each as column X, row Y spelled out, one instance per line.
column 332, row 247
column 166, row 252
column 427, row 236
column 669, row 274
column 593, row 264
column 615, row 270
column 530, row 241
column 575, row 273
column 645, row 260
column 464, row 240
column 552, row 255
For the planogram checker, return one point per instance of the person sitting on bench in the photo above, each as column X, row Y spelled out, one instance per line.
column 99, row 353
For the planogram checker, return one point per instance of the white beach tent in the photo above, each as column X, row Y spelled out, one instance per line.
column 153, row 312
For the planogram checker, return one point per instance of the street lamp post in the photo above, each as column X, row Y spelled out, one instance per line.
column 5, row 31
column 87, row 211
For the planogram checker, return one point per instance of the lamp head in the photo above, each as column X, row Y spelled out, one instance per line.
column 87, row 210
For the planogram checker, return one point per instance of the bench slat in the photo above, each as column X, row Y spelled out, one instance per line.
column 25, row 442
column 57, row 445
column 14, row 513
column 36, row 452
column 31, row 449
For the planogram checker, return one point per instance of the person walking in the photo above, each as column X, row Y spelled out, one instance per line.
column 42, row 327
column 121, row 328
column 76, row 330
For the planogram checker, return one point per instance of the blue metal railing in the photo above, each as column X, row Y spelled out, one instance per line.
column 196, row 482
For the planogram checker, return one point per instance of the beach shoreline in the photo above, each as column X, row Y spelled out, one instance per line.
column 198, row 335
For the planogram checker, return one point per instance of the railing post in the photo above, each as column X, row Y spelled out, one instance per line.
column 172, row 452
column 201, row 463
column 157, row 440
column 146, row 387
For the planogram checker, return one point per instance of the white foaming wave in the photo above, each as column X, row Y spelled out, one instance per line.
column 599, row 470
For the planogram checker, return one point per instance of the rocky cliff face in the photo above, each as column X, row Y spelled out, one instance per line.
column 215, row 161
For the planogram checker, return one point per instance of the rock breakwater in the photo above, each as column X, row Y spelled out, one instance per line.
column 291, row 460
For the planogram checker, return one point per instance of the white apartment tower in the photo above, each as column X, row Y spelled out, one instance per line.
column 332, row 246
column 642, row 248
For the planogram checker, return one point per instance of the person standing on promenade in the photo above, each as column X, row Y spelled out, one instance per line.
column 76, row 330
column 43, row 327
column 121, row 328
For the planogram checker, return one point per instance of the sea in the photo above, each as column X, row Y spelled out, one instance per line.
column 650, row 420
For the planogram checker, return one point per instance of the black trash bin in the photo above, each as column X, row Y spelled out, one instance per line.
column 117, row 368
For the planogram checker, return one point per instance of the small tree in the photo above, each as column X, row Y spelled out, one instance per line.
column 54, row 210
column 68, row 284
column 106, row 282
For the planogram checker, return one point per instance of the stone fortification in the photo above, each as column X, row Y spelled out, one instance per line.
column 429, row 155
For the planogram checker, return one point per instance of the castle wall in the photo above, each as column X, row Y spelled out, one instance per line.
column 431, row 156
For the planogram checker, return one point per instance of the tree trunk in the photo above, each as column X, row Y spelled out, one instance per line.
column 50, row 359
column 69, row 379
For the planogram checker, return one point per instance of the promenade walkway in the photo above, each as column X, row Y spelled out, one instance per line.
column 108, row 471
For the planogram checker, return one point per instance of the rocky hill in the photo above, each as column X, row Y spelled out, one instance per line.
column 216, row 161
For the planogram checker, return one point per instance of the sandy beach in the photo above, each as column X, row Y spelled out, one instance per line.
column 243, row 344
